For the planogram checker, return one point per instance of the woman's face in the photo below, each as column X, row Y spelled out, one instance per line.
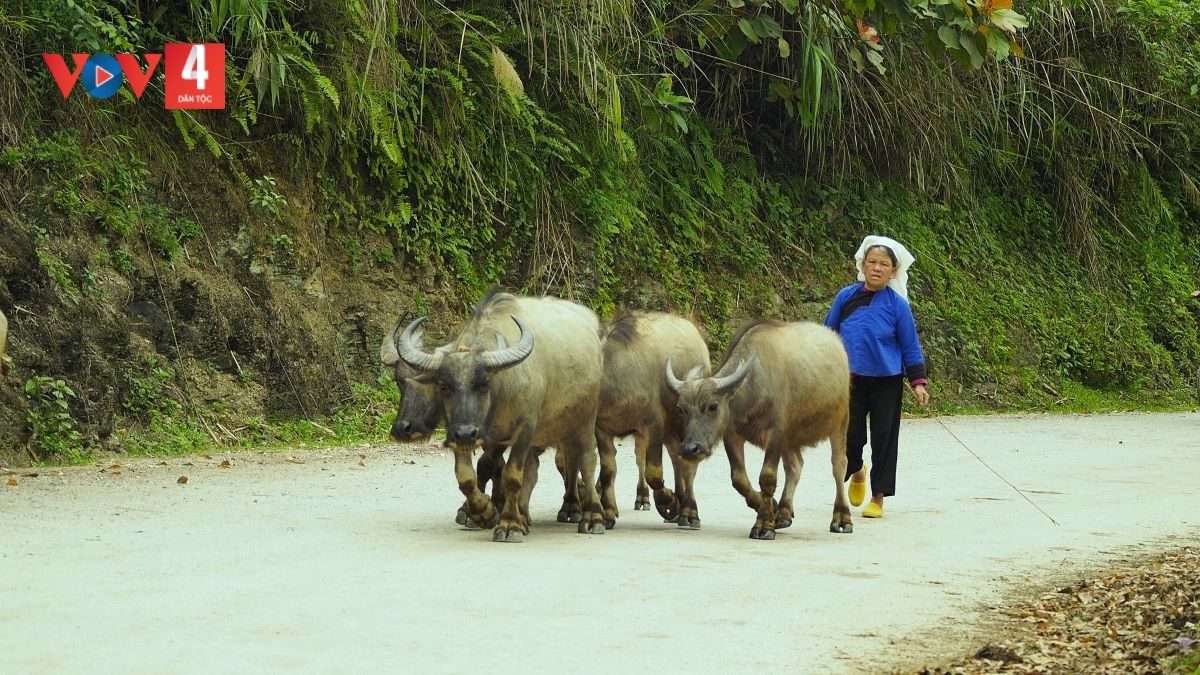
column 878, row 268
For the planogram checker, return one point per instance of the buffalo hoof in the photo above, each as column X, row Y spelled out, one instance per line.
column 591, row 528
column 781, row 523
column 461, row 517
column 765, row 535
column 610, row 523
column 841, row 526
column 476, row 524
column 507, row 536
column 688, row 523
column 566, row 515
column 641, row 504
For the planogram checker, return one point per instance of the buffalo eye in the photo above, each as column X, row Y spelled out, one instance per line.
column 710, row 408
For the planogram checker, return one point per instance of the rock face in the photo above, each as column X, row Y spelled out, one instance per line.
column 238, row 321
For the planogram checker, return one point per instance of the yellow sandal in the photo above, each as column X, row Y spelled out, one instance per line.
column 857, row 492
column 858, row 489
column 873, row 510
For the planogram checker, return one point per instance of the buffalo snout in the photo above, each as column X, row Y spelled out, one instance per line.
column 695, row 450
column 409, row 430
column 463, row 434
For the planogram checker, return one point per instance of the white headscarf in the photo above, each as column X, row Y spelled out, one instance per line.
column 899, row 282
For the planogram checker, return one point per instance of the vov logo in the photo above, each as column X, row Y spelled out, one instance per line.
column 195, row 74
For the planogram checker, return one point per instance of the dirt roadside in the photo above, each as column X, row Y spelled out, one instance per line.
column 348, row 560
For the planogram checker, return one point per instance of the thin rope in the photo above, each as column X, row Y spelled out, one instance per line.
column 989, row 466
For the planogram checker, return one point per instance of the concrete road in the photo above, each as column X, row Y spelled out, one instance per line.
column 348, row 560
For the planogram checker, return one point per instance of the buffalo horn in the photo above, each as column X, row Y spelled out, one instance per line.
column 408, row 345
column 673, row 382
column 724, row 384
column 387, row 350
column 510, row 356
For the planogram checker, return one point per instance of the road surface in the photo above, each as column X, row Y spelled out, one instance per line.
column 349, row 561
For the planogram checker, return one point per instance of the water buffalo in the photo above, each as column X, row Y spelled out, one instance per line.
column 421, row 411
column 634, row 400
column 783, row 387
column 497, row 389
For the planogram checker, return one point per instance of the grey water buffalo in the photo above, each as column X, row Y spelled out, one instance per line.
column 634, row 400
column 783, row 387
column 525, row 374
column 421, row 412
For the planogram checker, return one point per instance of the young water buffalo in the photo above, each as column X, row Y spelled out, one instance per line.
column 635, row 400
column 520, row 397
column 783, row 387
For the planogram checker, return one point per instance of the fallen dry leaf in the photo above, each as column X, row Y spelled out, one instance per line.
column 225, row 464
column 1133, row 620
column 12, row 482
column 293, row 460
column 362, row 460
column 182, row 480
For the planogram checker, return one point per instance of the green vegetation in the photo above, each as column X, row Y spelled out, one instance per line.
column 720, row 159
column 52, row 430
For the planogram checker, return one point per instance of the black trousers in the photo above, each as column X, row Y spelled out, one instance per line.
column 878, row 399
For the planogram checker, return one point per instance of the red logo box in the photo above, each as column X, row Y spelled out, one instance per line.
column 195, row 75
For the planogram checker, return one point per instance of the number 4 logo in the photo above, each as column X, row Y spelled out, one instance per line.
column 195, row 76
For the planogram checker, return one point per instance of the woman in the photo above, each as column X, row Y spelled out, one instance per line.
column 877, row 327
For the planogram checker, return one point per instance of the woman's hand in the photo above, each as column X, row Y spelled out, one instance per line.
column 922, row 395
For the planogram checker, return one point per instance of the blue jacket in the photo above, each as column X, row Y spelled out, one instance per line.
column 881, row 337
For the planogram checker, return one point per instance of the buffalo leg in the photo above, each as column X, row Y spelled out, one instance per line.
column 569, row 512
column 581, row 458
column 606, row 486
column 513, row 526
column 735, row 448
column 841, row 523
column 764, row 525
column 793, row 466
column 685, row 481
column 532, row 464
column 641, row 501
column 487, row 468
column 666, row 502
column 479, row 507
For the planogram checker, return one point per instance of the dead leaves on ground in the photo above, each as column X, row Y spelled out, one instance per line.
column 1140, row 619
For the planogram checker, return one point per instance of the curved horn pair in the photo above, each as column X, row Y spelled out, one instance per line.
column 408, row 347
column 720, row 384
